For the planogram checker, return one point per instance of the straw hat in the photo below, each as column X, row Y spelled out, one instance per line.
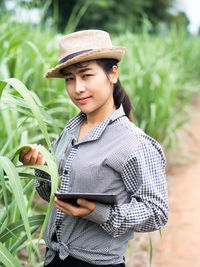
column 82, row 46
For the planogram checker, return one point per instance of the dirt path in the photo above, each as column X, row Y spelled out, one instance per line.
column 180, row 244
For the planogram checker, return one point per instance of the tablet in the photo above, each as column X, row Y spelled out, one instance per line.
column 96, row 197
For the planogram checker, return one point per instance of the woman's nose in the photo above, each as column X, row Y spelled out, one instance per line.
column 79, row 86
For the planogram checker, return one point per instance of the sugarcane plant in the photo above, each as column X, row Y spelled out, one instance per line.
column 17, row 223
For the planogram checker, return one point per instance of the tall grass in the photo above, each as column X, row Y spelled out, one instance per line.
column 160, row 74
column 155, row 72
column 9, row 170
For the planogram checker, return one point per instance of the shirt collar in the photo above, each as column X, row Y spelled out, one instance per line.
column 117, row 114
column 98, row 130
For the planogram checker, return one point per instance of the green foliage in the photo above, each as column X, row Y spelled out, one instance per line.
column 160, row 74
column 120, row 16
column 7, row 258
column 127, row 15
column 114, row 16
column 27, row 58
column 150, row 248
column 154, row 72
column 13, row 188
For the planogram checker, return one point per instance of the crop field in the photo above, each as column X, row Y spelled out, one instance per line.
column 161, row 73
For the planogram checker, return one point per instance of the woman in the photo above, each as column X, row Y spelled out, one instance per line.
column 100, row 151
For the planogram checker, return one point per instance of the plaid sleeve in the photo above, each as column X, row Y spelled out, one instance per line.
column 43, row 188
column 145, row 181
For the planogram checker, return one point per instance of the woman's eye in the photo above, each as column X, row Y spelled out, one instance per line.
column 69, row 79
column 86, row 75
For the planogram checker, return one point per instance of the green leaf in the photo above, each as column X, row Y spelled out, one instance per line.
column 2, row 151
column 17, row 227
column 160, row 231
column 52, row 170
column 150, row 248
column 25, row 93
column 31, row 176
column 16, row 186
column 2, row 85
column 2, row 179
column 27, row 187
column 51, row 167
column 38, row 167
column 7, row 258
column 22, row 239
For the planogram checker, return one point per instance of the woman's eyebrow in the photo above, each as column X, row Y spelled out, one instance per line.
column 80, row 71
column 83, row 70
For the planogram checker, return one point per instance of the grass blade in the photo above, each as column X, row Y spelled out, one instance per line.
column 21, row 240
column 2, row 85
column 150, row 249
column 17, row 227
column 55, row 179
column 13, row 203
column 2, row 179
column 25, row 93
column 16, row 186
column 160, row 232
column 7, row 258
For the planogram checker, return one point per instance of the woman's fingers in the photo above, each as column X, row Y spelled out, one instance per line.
column 34, row 157
column 31, row 156
column 41, row 159
column 22, row 155
column 86, row 207
column 86, row 204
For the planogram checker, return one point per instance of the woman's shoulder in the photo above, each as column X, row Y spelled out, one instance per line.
column 127, row 128
column 126, row 131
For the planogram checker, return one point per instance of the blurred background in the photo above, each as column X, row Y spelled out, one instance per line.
column 160, row 72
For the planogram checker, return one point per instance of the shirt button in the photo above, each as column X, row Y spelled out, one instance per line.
column 65, row 172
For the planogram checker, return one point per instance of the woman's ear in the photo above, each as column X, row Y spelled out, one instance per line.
column 113, row 76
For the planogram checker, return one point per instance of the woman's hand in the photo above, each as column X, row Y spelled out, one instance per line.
column 86, row 207
column 31, row 156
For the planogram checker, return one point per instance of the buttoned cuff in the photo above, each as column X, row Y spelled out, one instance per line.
column 100, row 214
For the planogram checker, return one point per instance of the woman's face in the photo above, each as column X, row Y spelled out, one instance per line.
column 90, row 89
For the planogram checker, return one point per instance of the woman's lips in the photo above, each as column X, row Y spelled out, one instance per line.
column 83, row 100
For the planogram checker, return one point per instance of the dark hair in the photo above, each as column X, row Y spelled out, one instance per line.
column 119, row 94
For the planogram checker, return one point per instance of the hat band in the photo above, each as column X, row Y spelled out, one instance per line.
column 73, row 55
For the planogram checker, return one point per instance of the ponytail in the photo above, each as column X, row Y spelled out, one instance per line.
column 119, row 94
column 121, row 98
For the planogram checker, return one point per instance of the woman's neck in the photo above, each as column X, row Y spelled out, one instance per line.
column 93, row 119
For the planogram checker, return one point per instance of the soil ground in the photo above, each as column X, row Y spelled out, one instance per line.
column 180, row 242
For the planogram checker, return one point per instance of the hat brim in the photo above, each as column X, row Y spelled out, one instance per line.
column 113, row 52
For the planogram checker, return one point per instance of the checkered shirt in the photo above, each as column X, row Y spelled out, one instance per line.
column 143, row 176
